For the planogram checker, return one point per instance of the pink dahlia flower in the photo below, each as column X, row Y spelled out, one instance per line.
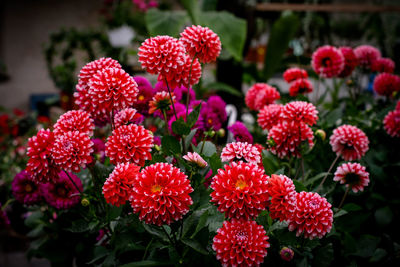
column 241, row 151
column 327, row 61
column 353, row 175
column 349, row 142
column 196, row 159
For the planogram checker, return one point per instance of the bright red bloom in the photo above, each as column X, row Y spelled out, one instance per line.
column 283, row 197
column 300, row 111
column 353, row 175
column 119, row 185
column 127, row 116
column 287, row 138
column 25, row 190
column 240, row 190
column 261, row 94
column 74, row 120
column 383, row 65
column 293, row 74
column 350, row 61
column 327, row 61
column 129, row 143
column 41, row 164
column 91, row 68
column 201, row 42
column 161, row 194
column 241, row 151
column 61, row 193
column 72, row 150
column 112, row 89
column 269, row 116
column 161, row 101
column 349, row 142
column 300, row 86
column 366, row 54
column 241, row 243
column 162, row 55
column 386, row 84
column 392, row 123
column 312, row 217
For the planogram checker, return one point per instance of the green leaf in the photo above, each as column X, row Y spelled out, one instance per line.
column 147, row 263
column 165, row 22
column 366, row 246
column 384, row 216
column 193, row 9
column 351, row 207
column 192, row 220
column 189, row 138
column 282, row 32
column 324, row 256
column 78, row 226
column 155, row 232
column 378, row 255
column 180, row 128
column 194, row 116
column 219, row 86
column 98, row 253
column 209, row 149
column 317, row 177
column 340, row 213
column 201, row 224
column 215, row 163
column 230, row 29
column 299, row 186
column 194, row 244
column 170, row 145
column 115, row 212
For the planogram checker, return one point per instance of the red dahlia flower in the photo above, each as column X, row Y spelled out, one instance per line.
column 25, row 190
column 72, row 150
column 386, row 84
column 127, row 116
column 312, row 217
column 269, row 116
column 161, row 101
column 129, row 143
column 241, row 243
column 240, row 191
column 201, row 42
column 383, row 65
column 392, row 123
column 41, row 164
column 300, row 86
column 366, row 55
column 119, row 185
column 349, row 142
column 241, row 151
column 300, row 111
column 91, row 68
column 350, row 61
column 261, row 94
column 292, row 74
column 287, row 138
column 327, row 61
column 353, row 175
column 74, row 120
column 161, row 194
column 112, row 89
column 283, row 197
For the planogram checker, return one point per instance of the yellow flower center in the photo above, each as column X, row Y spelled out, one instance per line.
column 210, row 121
column 240, row 183
column 28, row 188
column 141, row 98
column 156, row 188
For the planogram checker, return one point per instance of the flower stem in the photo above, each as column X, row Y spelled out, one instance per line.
column 344, row 197
column 330, row 168
column 317, row 90
column 80, row 191
column 188, row 92
column 166, row 122
column 172, row 100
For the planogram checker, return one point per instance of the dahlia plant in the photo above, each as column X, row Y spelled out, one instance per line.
column 144, row 176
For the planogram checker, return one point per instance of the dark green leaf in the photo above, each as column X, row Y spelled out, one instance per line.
column 299, row 186
column 366, row 246
column 351, row 207
column 192, row 7
column 324, row 256
column 194, row 244
column 215, row 163
column 180, row 128
column 190, row 222
column 317, row 177
column 170, row 145
column 219, row 86
column 189, row 138
column 155, row 232
column 98, row 253
column 193, row 116
column 384, row 216
column 209, row 149
column 378, row 255
column 165, row 22
column 147, row 263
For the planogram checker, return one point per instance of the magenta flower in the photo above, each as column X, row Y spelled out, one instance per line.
column 240, row 132
column 25, row 190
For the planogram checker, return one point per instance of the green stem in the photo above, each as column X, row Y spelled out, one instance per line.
column 166, row 122
column 80, row 191
column 172, row 100
column 190, row 75
column 344, row 197
column 147, row 249
column 330, row 168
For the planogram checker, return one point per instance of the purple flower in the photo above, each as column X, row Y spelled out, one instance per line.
column 240, row 132
column 4, row 221
column 146, row 93
column 61, row 193
column 180, row 93
column 213, row 113
column 99, row 149
column 25, row 190
column 217, row 105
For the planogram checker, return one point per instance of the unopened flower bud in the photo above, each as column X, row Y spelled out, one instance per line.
column 350, row 82
column 157, row 147
column 286, row 253
column 85, row 202
column 211, row 134
column 221, row 132
column 321, row 134
column 271, row 142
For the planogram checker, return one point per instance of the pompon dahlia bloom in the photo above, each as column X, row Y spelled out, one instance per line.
column 261, row 94
column 127, row 116
column 91, row 68
column 286, row 254
column 119, row 184
column 61, row 193
column 196, row 159
column 25, row 190
column 366, row 54
column 112, row 89
column 201, row 42
column 129, row 143
column 181, row 92
column 300, row 111
column 283, row 197
column 350, row 61
column 240, row 190
column 145, row 94
column 349, row 142
column 312, row 217
column 241, row 243
column 161, row 194
column 292, row 74
column 217, row 105
column 241, row 151
column 74, row 120
column 391, row 123
column 327, row 61
column 300, row 86
column 240, row 132
column 269, row 116
column 41, row 164
column 161, row 101
column 162, row 55
column 386, row 84
column 287, row 138
column 353, row 175
column 383, row 65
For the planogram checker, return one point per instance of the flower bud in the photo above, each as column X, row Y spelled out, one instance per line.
column 157, row 147
column 85, row 202
column 221, row 132
column 321, row 134
column 286, row 253
column 271, row 143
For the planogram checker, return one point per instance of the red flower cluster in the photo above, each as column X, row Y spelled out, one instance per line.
column 300, row 86
column 312, row 216
column 241, row 243
column 353, row 175
column 129, row 143
column 292, row 74
column 283, row 197
column 327, row 61
column 349, row 142
column 240, row 191
column 261, row 94
column 350, row 61
column 269, row 116
column 386, row 84
column 300, row 111
column 383, row 65
column 74, row 120
column 366, row 55
column 241, row 151
column 161, row 194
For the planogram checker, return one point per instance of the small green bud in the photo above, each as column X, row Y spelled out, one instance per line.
column 321, row 134
column 221, row 132
column 271, row 142
column 157, row 147
column 85, row 202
